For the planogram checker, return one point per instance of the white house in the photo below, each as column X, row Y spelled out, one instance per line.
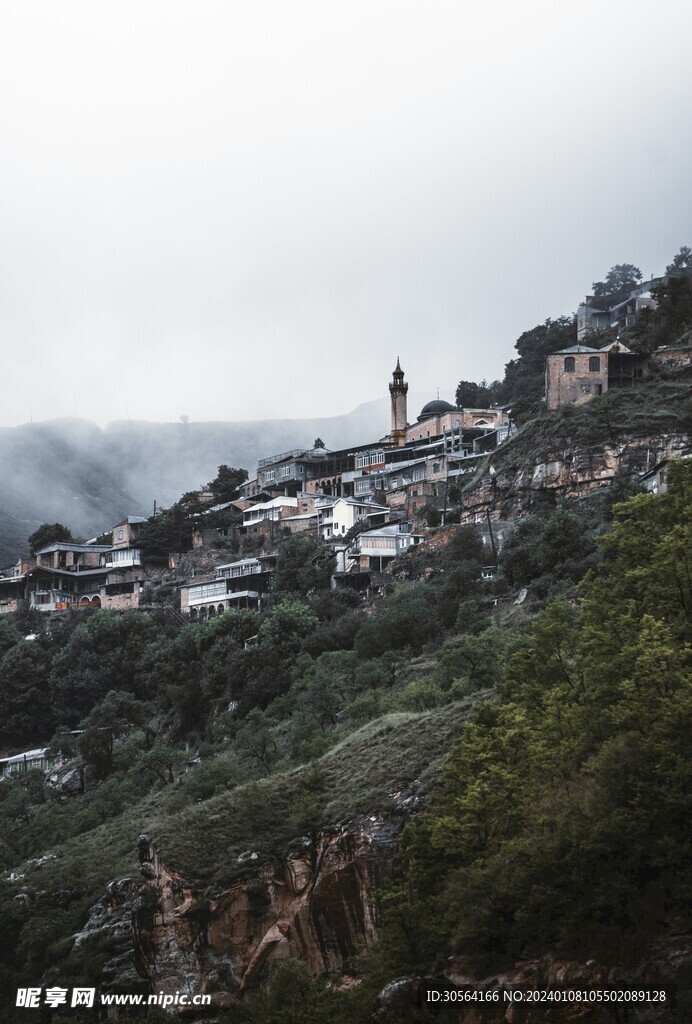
column 336, row 516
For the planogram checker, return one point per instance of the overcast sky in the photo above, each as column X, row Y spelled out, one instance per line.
column 239, row 210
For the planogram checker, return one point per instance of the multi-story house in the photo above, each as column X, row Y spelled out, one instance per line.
column 594, row 316
column 242, row 584
column 336, row 516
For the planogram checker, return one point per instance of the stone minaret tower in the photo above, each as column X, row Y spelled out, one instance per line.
column 397, row 390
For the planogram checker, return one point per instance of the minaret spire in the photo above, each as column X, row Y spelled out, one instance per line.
column 397, row 391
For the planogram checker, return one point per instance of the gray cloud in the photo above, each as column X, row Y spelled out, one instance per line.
column 247, row 210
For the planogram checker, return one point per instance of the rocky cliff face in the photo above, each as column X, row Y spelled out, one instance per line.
column 571, row 471
column 319, row 906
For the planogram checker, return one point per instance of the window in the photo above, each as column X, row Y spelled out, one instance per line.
column 369, row 459
column 594, row 364
column 121, row 534
column 569, row 364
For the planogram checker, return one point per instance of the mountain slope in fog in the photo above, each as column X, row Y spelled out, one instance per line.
column 74, row 472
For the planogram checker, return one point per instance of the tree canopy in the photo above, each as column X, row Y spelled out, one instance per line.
column 619, row 281
column 227, row 482
column 49, row 533
column 562, row 823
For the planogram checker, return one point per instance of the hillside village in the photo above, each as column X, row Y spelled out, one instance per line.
column 367, row 503
column 229, row 728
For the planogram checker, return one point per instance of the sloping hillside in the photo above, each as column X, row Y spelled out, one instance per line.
column 74, row 472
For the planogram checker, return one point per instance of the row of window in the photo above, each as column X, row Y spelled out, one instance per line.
column 594, row 364
column 208, row 590
column 369, row 459
column 240, row 570
column 121, row 555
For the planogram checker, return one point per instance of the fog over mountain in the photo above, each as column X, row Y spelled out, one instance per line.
column 74, row 472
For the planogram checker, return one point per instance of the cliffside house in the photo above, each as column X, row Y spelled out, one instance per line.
column 242, row 584
column 594, row 316
column 29, row 760
column 336, row 516
column 577, row 374
column 67, row 575
column 375, row 549
column 11, row 591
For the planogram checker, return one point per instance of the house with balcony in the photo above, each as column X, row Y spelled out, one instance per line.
column 11, row 591
column 336, row 516
column 29, row 760
column 375, row 549
column 594, row 315
column 287, row 472
column 55, row 590
column 69, row 556
column 121, row 558
column 59, row 590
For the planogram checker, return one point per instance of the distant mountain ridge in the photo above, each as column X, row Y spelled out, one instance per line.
column 87, row 477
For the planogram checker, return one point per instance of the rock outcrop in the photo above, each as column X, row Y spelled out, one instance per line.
column 569, row 471
column 318, row 906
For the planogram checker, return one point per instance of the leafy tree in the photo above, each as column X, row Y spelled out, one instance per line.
column 49, row 533
column 114, row 715
column 255, row 740
column 407, row 620
column 323, row 686
column 9, row 636
column 477, row 658
column 548, row 551
column 25, row 711
column 673, row 314
column 682, row 261
column 619, row 282
column 562, row 820
column 295, row 998
column 303, row 564
column 171, row 529
column 102, row 654
column 159, row 764
column 227, row 483
column 286, row 626
column 471, row 395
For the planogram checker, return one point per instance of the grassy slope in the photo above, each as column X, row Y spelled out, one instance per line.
column 356, row 777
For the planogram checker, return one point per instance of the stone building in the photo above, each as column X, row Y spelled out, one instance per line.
column 437, row 418
column 578, row 374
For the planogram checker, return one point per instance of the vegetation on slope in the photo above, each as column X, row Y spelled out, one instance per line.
column 562, row 804
column 563, row 822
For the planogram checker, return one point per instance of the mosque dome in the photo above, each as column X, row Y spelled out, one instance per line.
column 438, row 407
